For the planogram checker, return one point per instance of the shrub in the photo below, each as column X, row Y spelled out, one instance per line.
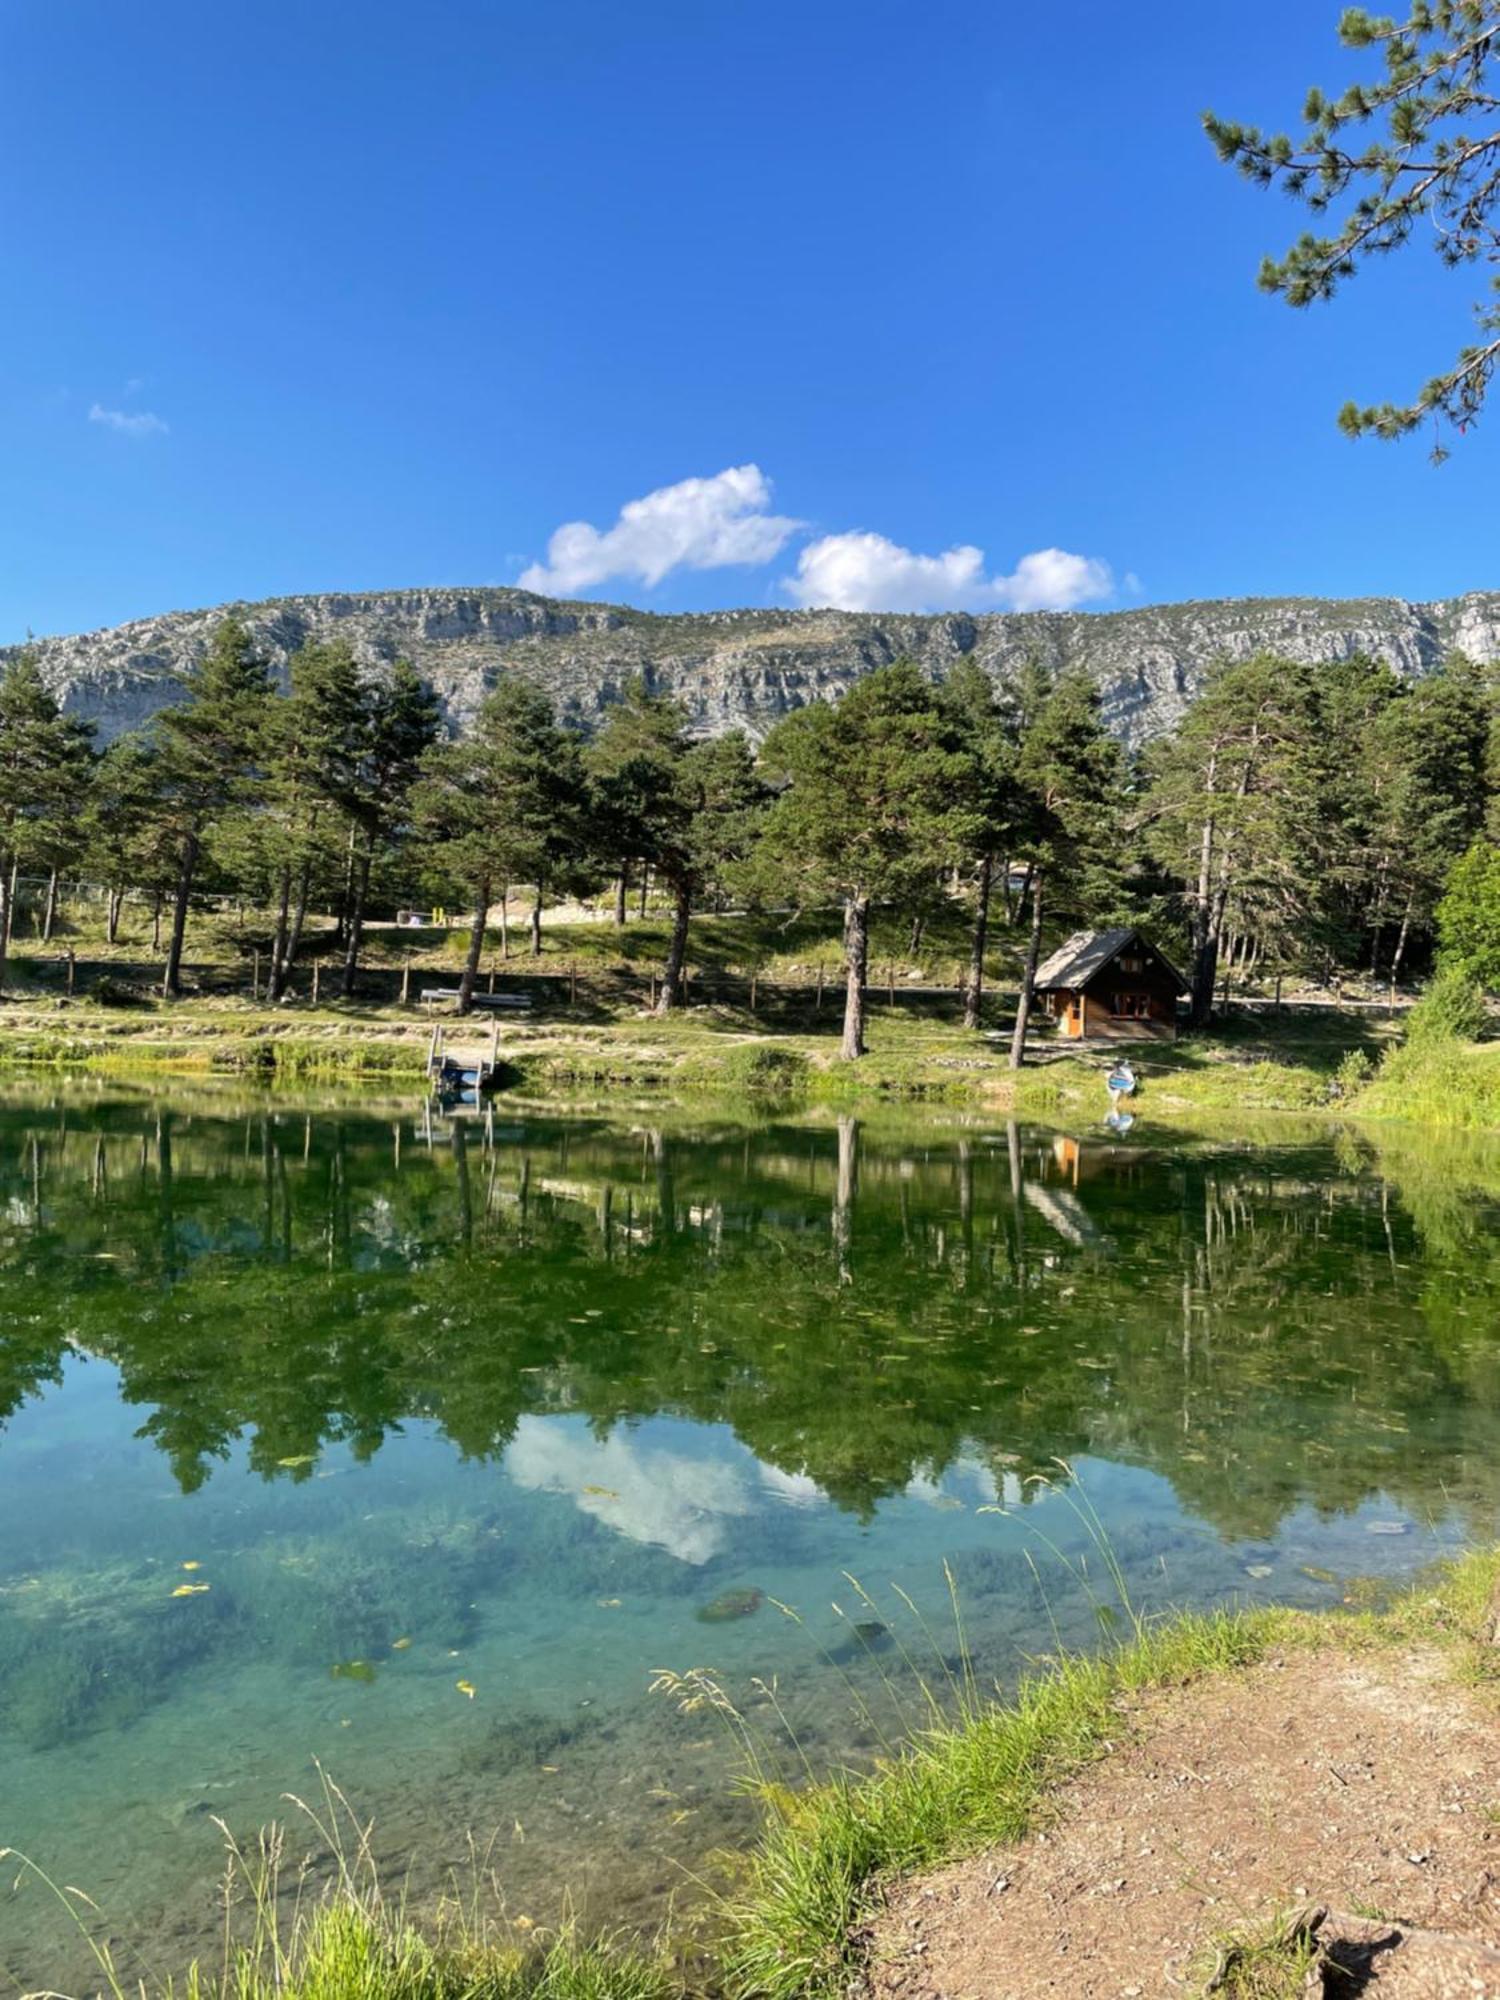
column 1469, row 915
column 109, row 990
column 1451, row 1010
column 1353, row 1073
column 759, row 1069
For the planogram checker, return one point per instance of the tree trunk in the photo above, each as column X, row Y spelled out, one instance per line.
column 645, row 885
column 622, row 885
column 1205, row 969
column 299, row 918
column 171, row 984
column 156, row 921
column 358, row 897
column 856, row 963
column 974, row 990
column 1028, row 976
column 536, row 923
column 918, row 925
column 476, row 946
column 112, row 901
column 341, row 926
column 7, row 912
column 671, row 979
column 504, row 921
column 276, row 977
column 49, row 918
column 1401, row 941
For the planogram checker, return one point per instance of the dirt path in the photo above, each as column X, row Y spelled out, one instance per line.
column 1368, row 1783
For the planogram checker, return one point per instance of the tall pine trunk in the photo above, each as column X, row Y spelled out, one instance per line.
column 476, row 946
column 112, row 901
column 171, row 984
column 622, row 885
column 856, row 968
column 276, row 979
column 974, row 990
column 341, row 923
column 536, row 923
column 1027, row 993
column 1205, row 970
column 671, row 979
column 299, row 918
column 504, row 921
column 156, row 921
column 49, row 918
column 1401, row 941
column 7, row 911
column 359, row 895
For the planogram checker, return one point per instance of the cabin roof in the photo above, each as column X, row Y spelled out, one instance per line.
column 1086, row 954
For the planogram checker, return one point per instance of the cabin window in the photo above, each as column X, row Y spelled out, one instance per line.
column 1132, row 965
column 1131, row 1006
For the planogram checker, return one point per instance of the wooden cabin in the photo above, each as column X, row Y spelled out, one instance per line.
column 1111, row 986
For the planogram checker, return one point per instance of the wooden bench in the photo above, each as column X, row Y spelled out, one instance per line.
column 520, row 1002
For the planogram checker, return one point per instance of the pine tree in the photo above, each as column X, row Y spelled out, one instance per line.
column 1070, row 775
column 871, row 803
column 504, row 803
column 988, row 728
column 125, row 838
column 720, row 801
column 44, row 777
column 209, row 744
column 1419, row 145
column 400, row 726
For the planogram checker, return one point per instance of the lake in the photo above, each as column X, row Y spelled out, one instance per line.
column 354, row 1437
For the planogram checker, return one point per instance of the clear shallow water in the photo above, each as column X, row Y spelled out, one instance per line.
column 516, row 1408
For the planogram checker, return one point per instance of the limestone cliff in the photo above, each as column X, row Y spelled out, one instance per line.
column 748, row 667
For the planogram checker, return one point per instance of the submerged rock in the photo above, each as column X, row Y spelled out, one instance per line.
column 730, row 1604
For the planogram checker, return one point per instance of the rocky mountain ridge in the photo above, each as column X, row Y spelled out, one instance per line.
column 749, row 667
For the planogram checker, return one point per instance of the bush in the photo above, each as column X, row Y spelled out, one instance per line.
column 109, row 990
column 759, row 1069
column 1468, row 917
column 1353, row 1073
column 1451, row 1010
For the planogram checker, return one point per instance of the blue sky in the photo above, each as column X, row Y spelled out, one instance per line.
column 314, row 296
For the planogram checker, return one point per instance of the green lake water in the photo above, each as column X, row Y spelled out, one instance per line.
column 411, row 1448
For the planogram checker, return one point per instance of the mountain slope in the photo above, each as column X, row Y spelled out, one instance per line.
column 751, row 666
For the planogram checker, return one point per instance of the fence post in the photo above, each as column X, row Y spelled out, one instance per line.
column 73, row 966
column 406, row 979
column 317, row 969
column 255, row 975
column 820, row 985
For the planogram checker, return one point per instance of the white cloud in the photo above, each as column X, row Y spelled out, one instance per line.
column 130, row 423
column 696, row 524
column 868, row 572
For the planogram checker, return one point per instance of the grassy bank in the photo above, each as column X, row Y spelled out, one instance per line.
column 980, row 1772
column 762, row 1021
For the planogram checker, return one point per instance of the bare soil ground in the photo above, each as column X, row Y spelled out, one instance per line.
column 1365, row 1782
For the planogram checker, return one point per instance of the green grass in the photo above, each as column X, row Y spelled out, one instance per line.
column 1269, row 1959
column 977, row 1781
column 986, row 1776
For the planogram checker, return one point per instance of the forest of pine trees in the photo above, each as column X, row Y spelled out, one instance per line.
column 1302, row 821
